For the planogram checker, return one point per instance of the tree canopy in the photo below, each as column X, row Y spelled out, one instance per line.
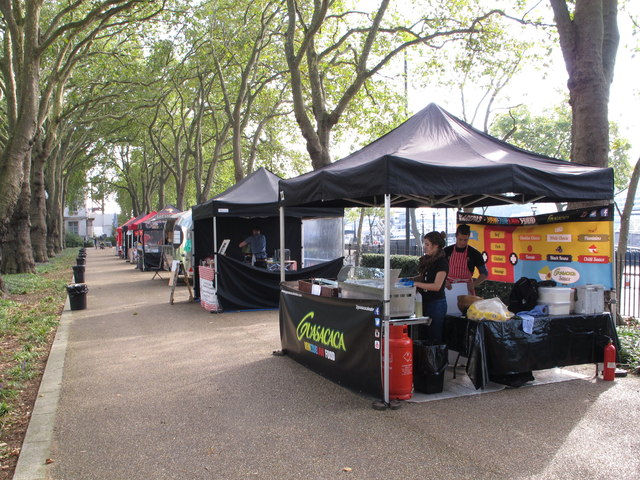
column 173, row 101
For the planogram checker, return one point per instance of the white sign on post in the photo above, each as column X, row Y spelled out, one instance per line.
column 175, row 270
column 223, row 246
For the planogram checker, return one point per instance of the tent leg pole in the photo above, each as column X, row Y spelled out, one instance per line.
column 387, row 293
column 281, row 244
column 386, row 312
column 215, row 257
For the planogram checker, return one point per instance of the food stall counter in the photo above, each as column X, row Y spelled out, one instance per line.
column 502, row 352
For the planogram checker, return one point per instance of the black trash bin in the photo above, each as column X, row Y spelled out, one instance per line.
column 77, row 296
column 429, row 363
column 81, row 261
column 78, row 273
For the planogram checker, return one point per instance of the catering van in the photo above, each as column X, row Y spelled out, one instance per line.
column 183, row 241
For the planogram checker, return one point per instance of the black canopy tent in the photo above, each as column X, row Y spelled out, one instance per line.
column 436, row 160
column 252, row 202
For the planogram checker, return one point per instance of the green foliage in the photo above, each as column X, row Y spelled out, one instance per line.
column 629, row 336
column 478, row 68
column 407, row 264
column 73, row 240
column 60, row 263
column 550, row 134
column 29, row 323
column 492, row 289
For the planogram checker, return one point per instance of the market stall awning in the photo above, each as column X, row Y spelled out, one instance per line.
column 125, row 224
column 167, row 212
column 254, row 196
column 135, row 225
column 436, row 160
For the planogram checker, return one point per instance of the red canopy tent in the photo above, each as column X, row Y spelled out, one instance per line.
column 131, row 226
column 137, row 223
column 119, row 234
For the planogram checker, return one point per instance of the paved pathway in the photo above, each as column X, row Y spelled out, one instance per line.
column 152, row 391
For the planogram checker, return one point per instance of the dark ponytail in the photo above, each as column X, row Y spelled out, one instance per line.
column 437, row 239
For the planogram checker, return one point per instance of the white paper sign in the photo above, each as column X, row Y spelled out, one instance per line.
column 452, row 297
column 316, row 289
column 223, row 246
column 208, row 292
column 175, row 269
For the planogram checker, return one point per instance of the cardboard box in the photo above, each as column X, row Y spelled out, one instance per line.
column 325, row 289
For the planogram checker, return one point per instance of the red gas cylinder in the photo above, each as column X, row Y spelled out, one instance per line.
column 400, row 363
column 609, row 372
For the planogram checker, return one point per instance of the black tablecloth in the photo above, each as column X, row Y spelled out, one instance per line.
column 499, row 350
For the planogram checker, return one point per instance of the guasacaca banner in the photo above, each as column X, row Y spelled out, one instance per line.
column 336, row 337
column 572, row 248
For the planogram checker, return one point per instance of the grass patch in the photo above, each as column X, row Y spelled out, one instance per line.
column 28, row 316
column 629, row 336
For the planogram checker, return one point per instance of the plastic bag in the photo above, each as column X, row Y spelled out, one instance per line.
column 77, row 289
column 489, row 309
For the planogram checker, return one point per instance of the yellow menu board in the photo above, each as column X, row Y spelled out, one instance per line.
column 573, row 248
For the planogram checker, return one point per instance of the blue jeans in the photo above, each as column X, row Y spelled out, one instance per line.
column 436, row 309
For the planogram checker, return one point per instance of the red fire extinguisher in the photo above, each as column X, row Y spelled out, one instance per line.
column 400, row 363
column 609, row 372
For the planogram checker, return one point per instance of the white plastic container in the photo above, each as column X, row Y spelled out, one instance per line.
column 563, row 308
column 589, row 299
column 418, row 307
column 549, row 295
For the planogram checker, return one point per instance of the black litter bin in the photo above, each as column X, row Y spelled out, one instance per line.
column 78, row 273
column 429, row 363
column 80, row 261
column 77, row 296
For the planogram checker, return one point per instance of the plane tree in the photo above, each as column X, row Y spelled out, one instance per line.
column 39, row 40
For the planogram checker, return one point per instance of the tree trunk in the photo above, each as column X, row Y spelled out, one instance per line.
column 17, row 254
column 359, row 238
column 180, row 189
column 54, row 227
column 589, row 41
column 38, row 207
column 55, row 212
column 22, row 79
column 415, row 231
column 624, row 227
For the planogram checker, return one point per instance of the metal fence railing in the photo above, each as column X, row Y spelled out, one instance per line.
column 396, row 248
column 628, row 270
